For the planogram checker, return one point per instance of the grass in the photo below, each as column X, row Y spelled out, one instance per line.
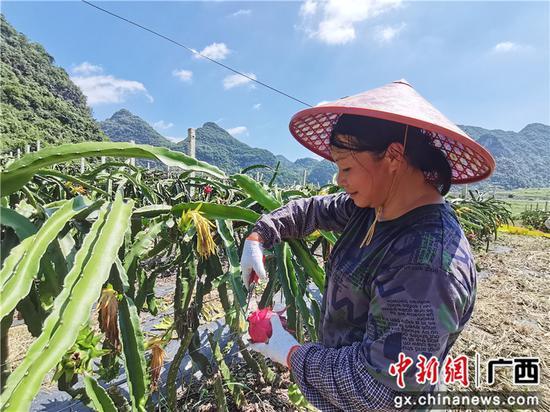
column 518, row 199
column 518, row 206
column 533, row 193
column 525, row 199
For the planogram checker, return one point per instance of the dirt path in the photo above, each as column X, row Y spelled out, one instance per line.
column 511, row 317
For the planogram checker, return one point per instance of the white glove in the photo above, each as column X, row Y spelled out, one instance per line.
column 252, row 259
column 280, row 343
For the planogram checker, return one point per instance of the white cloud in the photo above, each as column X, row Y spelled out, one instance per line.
column 109, row 89
column 235, row 80
column 86, row 68
column 162, row 125
column 216, row 51
column 386, row 34
column 309, row 7
column 257, row 106
column 510, row 47
column 336, row 32
column 506, row 46
column 242, row 12
column 183, row 75
column 334, row 21
column 175, row 138
column 235, row 131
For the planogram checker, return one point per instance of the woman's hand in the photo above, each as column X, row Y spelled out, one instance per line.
column 252, row 259
column 281, row 344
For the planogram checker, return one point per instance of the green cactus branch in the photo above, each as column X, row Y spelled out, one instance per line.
column 23, row 263
column 72, row 306
column 21, row 171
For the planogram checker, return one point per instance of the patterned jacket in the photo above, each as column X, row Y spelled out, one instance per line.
column 411, row 290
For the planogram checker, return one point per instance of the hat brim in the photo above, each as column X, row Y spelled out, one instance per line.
column 470, row 162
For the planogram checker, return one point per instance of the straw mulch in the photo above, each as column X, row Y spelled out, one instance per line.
column 511, row 317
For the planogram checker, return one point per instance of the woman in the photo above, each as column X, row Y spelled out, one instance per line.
column 401, row 278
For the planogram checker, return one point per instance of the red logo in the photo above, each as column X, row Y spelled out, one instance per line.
column 456, row 370
column 400, row 367
column 428, row 370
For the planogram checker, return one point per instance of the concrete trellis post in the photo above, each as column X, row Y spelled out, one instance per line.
column 18, row 153
column 37, row 145
column 192, row 138
column 465, row 191
column 27, row 148
column 82, row 165
column 192, row 142
column 305, row 177
column 133, row 159
column 103, row 160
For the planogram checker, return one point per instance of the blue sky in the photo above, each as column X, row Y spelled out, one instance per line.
column 480, row 63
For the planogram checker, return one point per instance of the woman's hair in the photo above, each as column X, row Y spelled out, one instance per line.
column 374, row 135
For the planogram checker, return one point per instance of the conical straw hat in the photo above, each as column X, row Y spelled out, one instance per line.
column 398, row 102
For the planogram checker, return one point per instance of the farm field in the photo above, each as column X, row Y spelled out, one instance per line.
column 510, row 320
column 145, row 266
column 519, row 199
column 193, row 194
column 525, row 199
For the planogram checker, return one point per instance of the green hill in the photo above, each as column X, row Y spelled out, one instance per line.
column 522, row 158
column 37, row 99
column 216, row 146
column 123, row 126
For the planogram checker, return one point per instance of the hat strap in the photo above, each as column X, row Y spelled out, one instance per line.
column 370, row 232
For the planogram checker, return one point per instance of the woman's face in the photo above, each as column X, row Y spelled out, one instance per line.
column 363, row 175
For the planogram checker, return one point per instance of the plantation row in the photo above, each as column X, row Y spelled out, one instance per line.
column 73, row 240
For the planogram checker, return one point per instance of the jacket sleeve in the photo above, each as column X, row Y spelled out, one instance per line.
column 416, row 310
column 301, row 217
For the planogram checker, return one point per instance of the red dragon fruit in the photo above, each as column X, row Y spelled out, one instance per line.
column 259, row 324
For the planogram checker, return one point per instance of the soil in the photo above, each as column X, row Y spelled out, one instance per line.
column 198, row 395
column 511, row 317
